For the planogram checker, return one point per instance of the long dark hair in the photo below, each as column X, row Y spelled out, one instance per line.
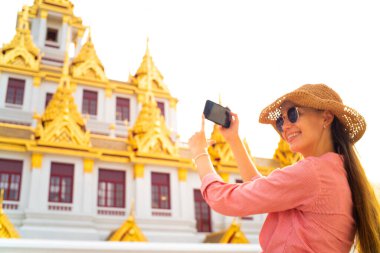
column 366, row 206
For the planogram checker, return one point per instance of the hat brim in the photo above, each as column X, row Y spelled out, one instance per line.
column 354, row 123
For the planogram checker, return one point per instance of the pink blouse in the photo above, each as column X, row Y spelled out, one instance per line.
column 309, row 205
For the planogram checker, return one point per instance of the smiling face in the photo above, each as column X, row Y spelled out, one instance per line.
column 310, row 134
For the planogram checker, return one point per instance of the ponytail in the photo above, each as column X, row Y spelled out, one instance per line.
column 366, row 208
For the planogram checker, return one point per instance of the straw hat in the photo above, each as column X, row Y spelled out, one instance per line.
column 321, row 97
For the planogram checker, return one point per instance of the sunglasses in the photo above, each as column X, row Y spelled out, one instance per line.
column 292, row 115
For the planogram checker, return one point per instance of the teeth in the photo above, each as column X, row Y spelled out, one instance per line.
column 292, row 135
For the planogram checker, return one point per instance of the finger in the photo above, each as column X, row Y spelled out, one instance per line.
column 210, row 142
column 203, row 123
column 233, row 114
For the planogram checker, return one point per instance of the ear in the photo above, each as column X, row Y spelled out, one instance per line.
column 328, row 118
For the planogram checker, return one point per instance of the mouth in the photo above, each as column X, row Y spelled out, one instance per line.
column 291, row 136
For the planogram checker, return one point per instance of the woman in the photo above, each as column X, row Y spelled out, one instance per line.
column 320, row 204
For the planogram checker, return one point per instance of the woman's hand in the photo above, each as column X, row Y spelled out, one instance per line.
column 198, row 142
column 231, row 134
column 198, row 145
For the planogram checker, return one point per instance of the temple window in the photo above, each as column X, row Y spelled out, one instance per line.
column 61, row 182
column 160, row 190
column 90, row 102
column 202, row 212
column 52, row 35
column 161, row 105
column 111, row 188
column 10, row 178
column 122, row 109
column 15, row 92
column 49, row 96
column 52, row 38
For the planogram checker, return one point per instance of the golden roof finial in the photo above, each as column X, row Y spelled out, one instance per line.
column 149, row 66
column 233, row 234
column 66, row 62
column 129, row 231
column 132, row 210
column 89, row 37
column 147, row 46
column 23, row 22
column 7, row 229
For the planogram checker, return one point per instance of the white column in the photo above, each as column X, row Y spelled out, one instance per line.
column 42, row 29
column 65, row 33
column 173, row 119
column 36, row 105
column 78, row 42
column 109, row 112
column 185, row 196
column 88, row 186
column 35, row 197
column 142, row 203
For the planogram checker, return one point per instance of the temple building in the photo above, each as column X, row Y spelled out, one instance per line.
column 77, row 148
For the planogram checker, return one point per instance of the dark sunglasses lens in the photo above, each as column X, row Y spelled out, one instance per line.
column 279, row 123
column 293, row 114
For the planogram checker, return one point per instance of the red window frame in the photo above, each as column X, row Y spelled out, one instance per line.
column 10, row 178
column 202, row 212
column 90, row 102
column 160, row 189
column 15, row 91
column 61, row 182
column 123, row 107
column 49, row 96
column 111, row 188
column 161, row 106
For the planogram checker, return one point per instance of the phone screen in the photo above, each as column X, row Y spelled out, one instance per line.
column 217, row 113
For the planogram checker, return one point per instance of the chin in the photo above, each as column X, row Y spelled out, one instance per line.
column 295, row 149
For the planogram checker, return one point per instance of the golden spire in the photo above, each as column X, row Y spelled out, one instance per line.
column 61, row 122
column 87, row 65
column 150, row 133
column 21, row 51
column 7, row 230
column 284, row 155
column 233, row 234
column 129, row 231
column 148, row 74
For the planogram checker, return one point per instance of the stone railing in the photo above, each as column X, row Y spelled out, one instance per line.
column 60, row 246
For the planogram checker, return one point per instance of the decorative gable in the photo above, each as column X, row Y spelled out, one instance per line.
column 21, row 51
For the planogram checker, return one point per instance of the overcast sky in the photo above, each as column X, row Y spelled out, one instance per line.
column 249, row 52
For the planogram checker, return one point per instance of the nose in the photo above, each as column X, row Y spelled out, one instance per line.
column 286, row 124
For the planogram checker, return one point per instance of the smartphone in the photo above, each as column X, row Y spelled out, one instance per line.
column 217, row 114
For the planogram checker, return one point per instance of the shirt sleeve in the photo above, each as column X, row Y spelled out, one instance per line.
column 283, row 189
